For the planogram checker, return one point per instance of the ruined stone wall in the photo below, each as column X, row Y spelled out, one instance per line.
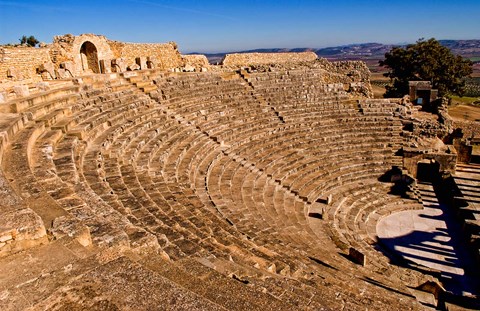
column 196, row 61
column 247, row 59
column 67, row 48
column 447, row 161
column 166, row 55
column 354, row 75
column 25, row 61
column 469, row 128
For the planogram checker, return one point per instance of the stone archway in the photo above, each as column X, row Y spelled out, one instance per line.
column 89, row 57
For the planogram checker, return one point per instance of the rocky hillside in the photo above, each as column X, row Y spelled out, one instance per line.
column 466, row 48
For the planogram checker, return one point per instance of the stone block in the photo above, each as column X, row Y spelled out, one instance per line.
column 48, row 68
column 3, row 97
column 105, row 66
column 188, row 68
column 69, row 67
column 19, row 230
column 316, row 210
column 14, row 74
column 62, row 73
column 357, row 256
column 118, row 65
column 142, row 62
column 69, row 226
column 21, row 90
column 42, row 86
column 151, row 62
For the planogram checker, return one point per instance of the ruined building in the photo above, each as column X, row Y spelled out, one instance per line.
column 136, row 178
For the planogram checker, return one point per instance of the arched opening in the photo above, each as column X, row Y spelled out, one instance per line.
column 89, row 57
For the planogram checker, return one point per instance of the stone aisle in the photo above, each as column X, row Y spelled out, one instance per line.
column 431, row 237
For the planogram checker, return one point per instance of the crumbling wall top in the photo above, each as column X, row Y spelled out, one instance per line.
column 247, row 59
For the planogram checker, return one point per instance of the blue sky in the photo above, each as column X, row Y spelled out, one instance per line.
column 214, row 26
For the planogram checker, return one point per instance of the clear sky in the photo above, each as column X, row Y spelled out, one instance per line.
column 221, row 26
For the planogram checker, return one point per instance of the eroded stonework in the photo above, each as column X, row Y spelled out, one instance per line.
column 166, row 184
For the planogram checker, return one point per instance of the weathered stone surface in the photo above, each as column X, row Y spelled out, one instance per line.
column 42, row 86
column 49, row 68
column 69, row 66
column 216, row 173
column 68, row 49
column 142, row 62
column 133, row 67
column 119, row 65
column 248, row 59
column 21, row 90
column 189, row 68
column 196, row 61
column 20, row 230
column 151, row 62
column 61, row 74
column 25, row 60
column 14, row 74
column 71, row 227
column 357, row 256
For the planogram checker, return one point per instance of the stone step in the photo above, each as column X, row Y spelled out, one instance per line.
column 223, row 290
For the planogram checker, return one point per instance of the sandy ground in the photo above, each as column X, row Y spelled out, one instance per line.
column 465, row 113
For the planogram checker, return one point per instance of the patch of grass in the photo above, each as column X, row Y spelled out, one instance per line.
column 458, row 100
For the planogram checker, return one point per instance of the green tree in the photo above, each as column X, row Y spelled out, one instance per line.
column 23, row 40
column 425, row 61
column 30, row 41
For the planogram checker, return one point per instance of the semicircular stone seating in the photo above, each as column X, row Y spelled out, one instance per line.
column 223, row 168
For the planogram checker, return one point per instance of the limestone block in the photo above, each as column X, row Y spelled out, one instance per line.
column 329, row 199
column 14, row 74
column 118, row 65
column 62, row 74
column 21, row 90
column 3, row 97
column 48, row 68
column 151, row 62
column 133, row 67
column 356, row 256
column 203, row 69
column 42, row 86
column 105, row 66
column 69, row 226
column 19, row 230
column 142, row 62
column 189, row 68
column 69, row 67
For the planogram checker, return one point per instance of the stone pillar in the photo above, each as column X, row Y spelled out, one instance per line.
column 105, row 66
column 142, row 62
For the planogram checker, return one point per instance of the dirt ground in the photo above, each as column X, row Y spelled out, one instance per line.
column 465, row 113
column 378, row 91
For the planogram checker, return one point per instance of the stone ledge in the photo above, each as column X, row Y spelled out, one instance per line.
column 20, row 230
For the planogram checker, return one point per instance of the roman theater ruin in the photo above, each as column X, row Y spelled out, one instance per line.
column 137, row 178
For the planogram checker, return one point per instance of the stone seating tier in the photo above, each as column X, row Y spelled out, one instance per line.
column 208, row 174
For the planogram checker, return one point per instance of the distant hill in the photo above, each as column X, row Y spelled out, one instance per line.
column 364, row 51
